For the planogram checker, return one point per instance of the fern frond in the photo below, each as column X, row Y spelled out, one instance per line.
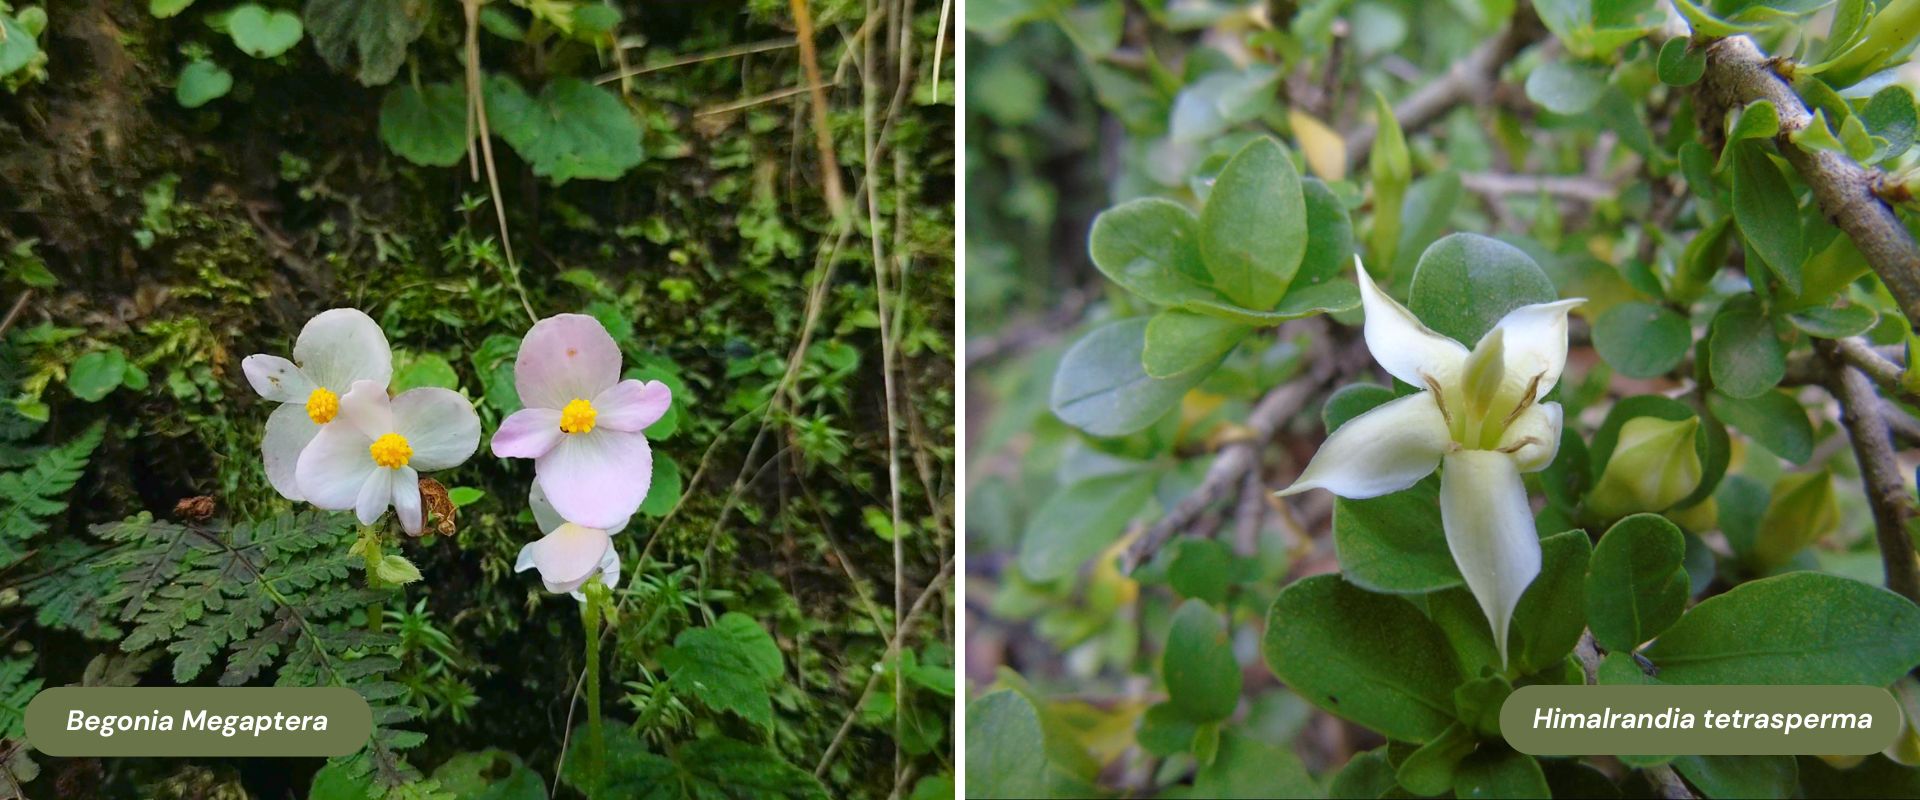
column 30, row 495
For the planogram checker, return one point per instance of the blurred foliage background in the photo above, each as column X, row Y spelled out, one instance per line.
column 184, row 183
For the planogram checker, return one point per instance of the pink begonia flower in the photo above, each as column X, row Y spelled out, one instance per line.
column 569, row 555
column 335, row 349
column 582, row 424
column 375, row 459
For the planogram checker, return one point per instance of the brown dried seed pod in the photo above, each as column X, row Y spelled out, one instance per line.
column 438, row 507
column 195, row 509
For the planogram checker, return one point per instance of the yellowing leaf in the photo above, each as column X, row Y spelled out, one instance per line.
column 1325, row 151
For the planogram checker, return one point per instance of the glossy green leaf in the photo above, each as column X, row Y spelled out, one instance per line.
column 1363, row 657
column 1221, row 100
column 366, row 38
column 1834, row 321
column 426, row 125
column 1552, row 612
column 574, row 129
column 1183, row 341
column 425, row 369
column 1891, row 117
column 1203, row 679
column 261, row 32
column 1679, row 64
column 1103, row 388
column 1773, row 419
column 1079, row 521
column 1395, row 543
column 1636, row 585
column 1745, row 358
column 96, row 374
column 1253, row 230
column 1367, row 775
column 664, row 493
column 1151, row 247
column 1642, row 340
column 1352, row 400
column 1466, row 282
column 1499, row 773
column 1565, row 87
column 1201, row 568
column 17, row 48
column 1246, row 767
column 1767, row 213
column 1006, row 752
column 201, row 82
column 1801, row 628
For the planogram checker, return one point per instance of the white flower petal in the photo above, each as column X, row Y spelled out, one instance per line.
column 288, row 432
column 563, row 358
column 548, row 519
column 343, row 345
column 1534, row 437
column 1483, row 506
column 276, row 378
column 527, row 433
column 632, row 405
column 567, row 557
column 440, row 426
column 609, row 572
column 1380, row 452
column 1403, row 345
column 376, row 493
column 597, row 479
column 334, row 467
column 1536, row 343
column 367, row 408
column 406, row 499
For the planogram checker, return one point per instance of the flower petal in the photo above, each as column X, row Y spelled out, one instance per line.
column 406, row 499
column 376, row 493
column 288, row 432
column 334, row 467
column 440, row 426
column 1536, row 343
column 1403, row 345
column 566, row 557
column 609, row 572
column 632, row 405
column 1380, row 452
column 276, row 378
column 564, row 357
column 548, row 519
column 527, row 433
column 597, row 479
column 1483, row 506
column 367, row 408
column 341, row 346
column 1534, row 437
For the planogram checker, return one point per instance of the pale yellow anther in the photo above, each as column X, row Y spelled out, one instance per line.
column 577, row 417
column 322, row 405
column 391, row 451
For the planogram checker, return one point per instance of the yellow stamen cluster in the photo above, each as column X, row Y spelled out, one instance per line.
column 391, row 451
column 322, row 405
column 578, row 416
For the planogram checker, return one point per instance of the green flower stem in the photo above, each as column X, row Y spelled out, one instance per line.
column 590, row 613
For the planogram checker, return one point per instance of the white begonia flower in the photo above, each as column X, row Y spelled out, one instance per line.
column 1478, row 418
column 335, row 349
column 374, row 458
column 569, row 555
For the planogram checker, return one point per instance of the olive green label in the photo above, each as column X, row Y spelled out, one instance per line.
column 198, row 721
column 1700, row 720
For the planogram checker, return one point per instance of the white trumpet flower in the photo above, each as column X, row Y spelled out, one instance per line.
column 1478, row 418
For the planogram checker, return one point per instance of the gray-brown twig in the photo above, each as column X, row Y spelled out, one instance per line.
column 1662, row 775
column 1886, row 489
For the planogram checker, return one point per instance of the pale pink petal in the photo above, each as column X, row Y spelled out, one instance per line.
column 367, row 408
column 527, row 433
column 376, row 493
column 566, row 557
column 406, row 499
column 334, row 467
column 609, row 572
column 288, row 432
column 597, row 479
column 548, row 519
column 341, row 346
column 440, row 426
column 632, row 405
column 276, row 378
column 563, row 358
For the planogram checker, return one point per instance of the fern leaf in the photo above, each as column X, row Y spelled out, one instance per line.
column 30, row 495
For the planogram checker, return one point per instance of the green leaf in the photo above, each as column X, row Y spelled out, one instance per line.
column 1300, row 302
column 491, row 774
column 426, row 125
column 262, row 32
column 1802, row 511
column 1253, row 231
column 573, row 130
column 1642, row 340
column 1203, row 679
column 1745, row 358
column 1834, row 321
column 1102, row 386
column 1499, row 773
column 730, row 665
column 463, row 496
column 1006, row 752
column 1773, row 419
column 1756, row 777
column 425, row 369
column 1797, row 628
column 1767, row 213
column 1679, row 64
column 1552, row 612
column 1565, row 87
column 1329, row 239
column 710, row 767
column 18, row 47
column 162, row 9
column 1636, row 584
column 1429, row 770
column 1351, row 401
column 1364, row 657
column 366, row 38
column 1181, row 341
column 1395, row 543
column 1222, row 100
column 96, row 374
column 1891, row 117
column 201, row 82
column 1201, row 568
column 1466, row 282
column 1758, row 120
column 1079, row 521
column 395, row 569
column 1367, row 775
column 666, row 488
column 1151, row 247
column 1246, row 767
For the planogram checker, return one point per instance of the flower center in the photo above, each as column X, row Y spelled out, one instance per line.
column 391, row 451
column 322, row 405
column 578, row 416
